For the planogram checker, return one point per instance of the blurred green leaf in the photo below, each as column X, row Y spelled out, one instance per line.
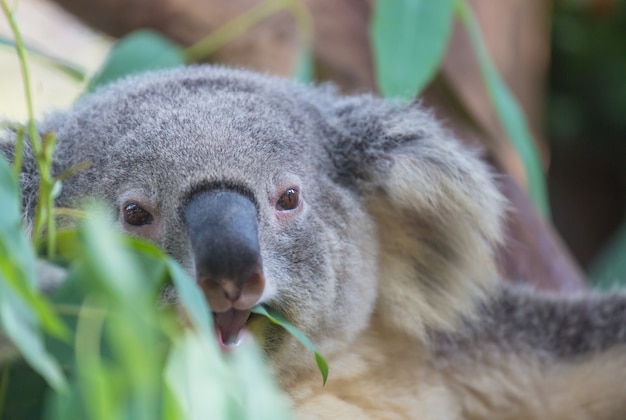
column 194, row 372
column 132, row 360
column 609, row 269
column 138, row 52
column 230, row 30
column 23, row 311
column 258, row 396
column 304, row 66
column 121, row 339
column 509, row 112
column 275, row 317
column 188, row 291
column 409, row 39
column 70, row 69
column 211, row 385
column 192, row 298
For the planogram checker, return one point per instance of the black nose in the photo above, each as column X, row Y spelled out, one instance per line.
column 222, row 227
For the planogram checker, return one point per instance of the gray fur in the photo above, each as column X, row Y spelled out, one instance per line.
column 399, row 226
column 551, row 326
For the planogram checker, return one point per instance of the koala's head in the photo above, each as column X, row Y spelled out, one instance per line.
column 272, row 193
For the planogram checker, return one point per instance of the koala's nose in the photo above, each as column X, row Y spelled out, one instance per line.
column 222, row 227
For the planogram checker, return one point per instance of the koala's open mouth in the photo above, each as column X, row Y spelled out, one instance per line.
column 230, row 328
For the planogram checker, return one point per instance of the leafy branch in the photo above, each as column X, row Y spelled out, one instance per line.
column 43, row 148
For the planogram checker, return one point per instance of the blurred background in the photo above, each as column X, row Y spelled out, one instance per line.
column 585, row 128
column 564, row 61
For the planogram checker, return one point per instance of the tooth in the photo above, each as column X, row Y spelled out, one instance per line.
column 234, row 341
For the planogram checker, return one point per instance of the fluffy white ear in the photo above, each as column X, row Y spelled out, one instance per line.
column 29, row 178
column 437, row 210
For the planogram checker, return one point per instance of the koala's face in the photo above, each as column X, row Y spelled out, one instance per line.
column 334, row 211
column 231, row 175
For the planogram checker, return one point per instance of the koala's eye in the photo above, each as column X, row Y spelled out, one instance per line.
column 136, row 215
column 289, row 200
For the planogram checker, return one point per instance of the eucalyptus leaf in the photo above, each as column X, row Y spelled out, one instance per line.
column 509, row 112
column 138, row 52
column 258, row 395
column 23, row 311
column 409, row 39
column 305, row 70
column 275, row 317
column 192, row 298
column 121, row 335
column 195, row 372
column 113, row 270
column 17, row 323
column 608, row 270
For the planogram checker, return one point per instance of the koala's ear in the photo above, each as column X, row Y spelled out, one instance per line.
column 436, row 206
column 29, row 178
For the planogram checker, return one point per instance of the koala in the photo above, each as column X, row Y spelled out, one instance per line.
column 363, row 222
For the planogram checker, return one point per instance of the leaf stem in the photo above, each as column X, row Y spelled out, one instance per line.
column 306, row 32
column 21, row 54
column 508, row 111
column 42, row 148
column 237, row 27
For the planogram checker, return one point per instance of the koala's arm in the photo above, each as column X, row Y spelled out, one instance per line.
column 532, row 355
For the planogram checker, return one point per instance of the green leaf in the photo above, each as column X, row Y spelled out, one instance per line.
column 275, row 317
column 122, row 336
column 304, row 66
column 234, row 28
column 189, row 292
column 138, row 52
column 64, row 66
column 18, row 324
column 100, row 247
column 11, row 234
column 509, row 112
column 23, row 310
column 409, row 38
column 192, row 298
column 258, row 394
column 195, row 372
column 608, row 270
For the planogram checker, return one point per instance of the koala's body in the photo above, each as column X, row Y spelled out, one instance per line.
column 363, row 222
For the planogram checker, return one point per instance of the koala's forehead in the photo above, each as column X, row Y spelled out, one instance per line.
column 223, row 130
column 191, row 124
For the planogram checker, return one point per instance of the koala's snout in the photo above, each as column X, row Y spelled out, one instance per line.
column 222, row 227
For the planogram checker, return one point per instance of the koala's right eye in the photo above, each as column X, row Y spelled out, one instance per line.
column 136, row 215
column 289, row 200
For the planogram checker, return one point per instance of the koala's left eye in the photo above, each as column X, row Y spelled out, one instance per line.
column 289, row 200
column 136, row 215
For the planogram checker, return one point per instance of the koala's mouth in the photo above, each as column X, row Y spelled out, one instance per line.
column 230, row 328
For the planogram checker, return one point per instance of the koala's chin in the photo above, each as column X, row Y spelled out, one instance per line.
column 363, row 222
